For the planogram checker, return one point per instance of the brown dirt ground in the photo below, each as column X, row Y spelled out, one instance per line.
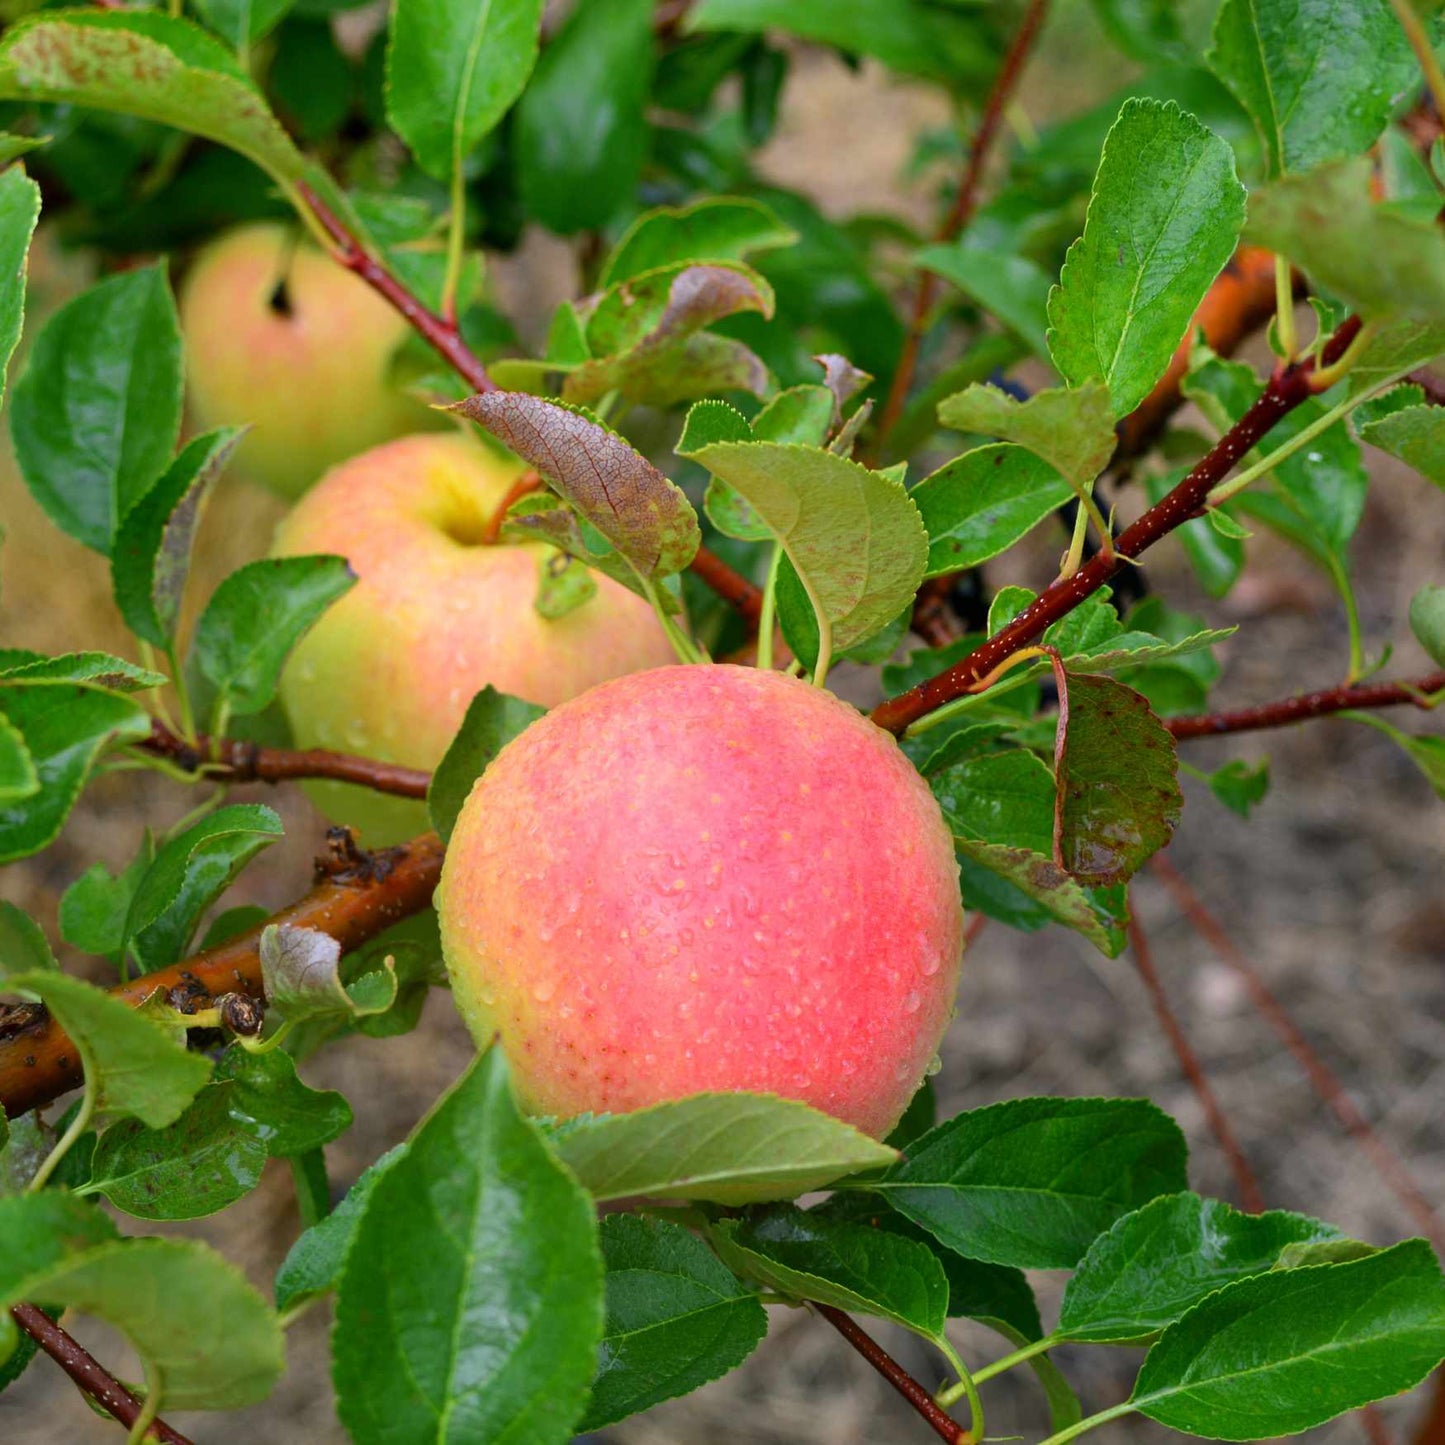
column 1333, row 889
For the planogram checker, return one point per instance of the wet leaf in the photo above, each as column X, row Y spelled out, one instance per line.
column 1114, row 763
column 265, row 1097
column 493, row 719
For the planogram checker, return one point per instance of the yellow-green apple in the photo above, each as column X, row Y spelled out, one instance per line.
column 280, row 336
column 705, row 878
column 436, row 615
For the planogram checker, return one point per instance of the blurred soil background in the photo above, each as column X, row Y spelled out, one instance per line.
column 1333, row 889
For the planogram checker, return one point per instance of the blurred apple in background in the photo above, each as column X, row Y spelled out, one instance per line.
column 280, row 336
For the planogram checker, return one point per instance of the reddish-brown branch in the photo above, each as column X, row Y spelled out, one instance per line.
column 943, row 1425
column 1241, row 300
column 965, row 202
column 88, row 1373
column 1308, row 705
column 1250, row 1194
column 243, row 762
column 1286, row 390
column 360, row 895
column 731, row 586
column 1322, row 1078
column 440, row 334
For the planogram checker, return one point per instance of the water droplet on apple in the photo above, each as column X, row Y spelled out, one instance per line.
column 935, row 1066
column 912, row 1003
column 543, row 989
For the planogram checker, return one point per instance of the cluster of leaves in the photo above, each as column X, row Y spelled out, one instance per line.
column 738, row 307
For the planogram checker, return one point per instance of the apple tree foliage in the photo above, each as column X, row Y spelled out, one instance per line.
column 477, row 1294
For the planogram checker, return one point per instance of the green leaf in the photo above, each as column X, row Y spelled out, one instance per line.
column 1010, row 288
column 201, row 1163
column 1118, row 799
column 563, row 585
column 23, row 1153
column 675, row 1318
column 801, row 414
column 471, row 1303
column 24, row 947
column 728, row 1148
column 93, row 909
column 254, row 619
column 147, row 65
column 493, row 719
column 135, row 1064
column 648, row 344
column 1240, row 785
column 1427, row 622
column 1073, row 430
column 301, row 975
column 581, row 134
column 265, row 1096
column 19, row 211
column 1283, row 1352
column 1427, row 753
column 241, row 22
column 207, row 1339
column 936, row 42
column 810, row 1257
column 64, row 729
column 453, row 70
column 18, row 778
column 1161, row 1260
column 313, row 1264
column 151, row 556
column 189, row 873
column 981, row 503
column 718, row 228
column 1416, row 435
column 96, row 410
column 1395, row 347
column 39, row 1231
column 1163, row 219
column 99, row 669
column 637, row 509
column 854, row 535
column 1032, row 1182
column 1375, row 260
column 1318, row 77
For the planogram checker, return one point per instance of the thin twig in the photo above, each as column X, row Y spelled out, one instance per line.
column 743, row 596
column 1308, row 705
column 965, row 202
column 1322, row 1078
column 943, row 1425
column 359, row 895
column 1287, row 388
column 524, row 486
column 232, row 761
column 1250, row 1194
column 88, row 1373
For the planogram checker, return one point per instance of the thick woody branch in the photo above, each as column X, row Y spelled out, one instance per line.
column 943, row 1425
column 358, row 896
column 88, row 1373
column 965, row 202
column 1286, row 390
column 241, row 762
column 1309, row 705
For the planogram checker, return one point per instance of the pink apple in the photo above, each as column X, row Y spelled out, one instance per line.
column 437, row 614
column 705, row 878
column 279, row 335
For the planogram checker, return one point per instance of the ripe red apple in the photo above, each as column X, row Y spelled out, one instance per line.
column 705, row 878
column 437, row 614
column 280, row 336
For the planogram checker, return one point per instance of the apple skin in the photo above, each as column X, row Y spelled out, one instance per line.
column 390, row 669
column 312, row 376
column 705, row 878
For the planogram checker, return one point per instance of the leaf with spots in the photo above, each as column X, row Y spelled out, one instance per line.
column 854, row 535
column 1117, row 799
column 647, row 338
column 637, row 509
